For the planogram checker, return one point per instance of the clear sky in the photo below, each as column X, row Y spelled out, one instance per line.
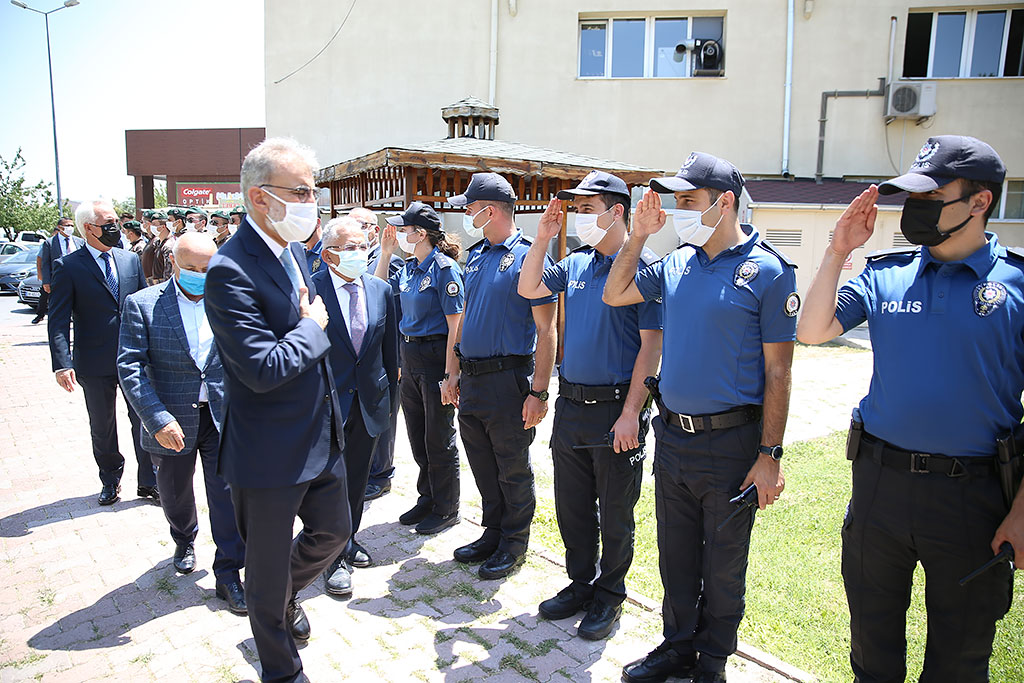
column 122, row 65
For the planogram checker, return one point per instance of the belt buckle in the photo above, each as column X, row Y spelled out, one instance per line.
column 589, row 403
column 685, row 420
column 919, row 463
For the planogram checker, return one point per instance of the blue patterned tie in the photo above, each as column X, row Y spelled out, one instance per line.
column 289, row 267
column 111, row 277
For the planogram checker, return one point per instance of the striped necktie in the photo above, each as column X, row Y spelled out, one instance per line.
column 111, row 276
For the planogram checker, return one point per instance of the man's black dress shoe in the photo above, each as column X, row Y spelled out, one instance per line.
column 500, row 564
column 233, row 594
column 185, row 558
column 416, row 515
column 358, row 557
column 477, row 551
column 658, row 665
column 435, row 523
column 149, row 492
column 338, row 578
column 109, row 494
column 375, row 491
column 36, row 320
column 709, row 677
column 568, row 602
column 296, row 619
column 600, row 620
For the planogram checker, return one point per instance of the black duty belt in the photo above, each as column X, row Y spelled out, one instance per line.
column 691, row 424
column 592, row 394
column 897, row 458
column 483, row 366
column 427, row 338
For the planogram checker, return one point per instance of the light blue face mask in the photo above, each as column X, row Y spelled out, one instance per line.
column 191, row 282
column 351, row 263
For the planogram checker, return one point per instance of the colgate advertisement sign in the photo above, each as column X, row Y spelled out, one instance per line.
column 201, row 194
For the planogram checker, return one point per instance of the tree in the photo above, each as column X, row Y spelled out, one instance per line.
column 24, row 206
column 126, row 205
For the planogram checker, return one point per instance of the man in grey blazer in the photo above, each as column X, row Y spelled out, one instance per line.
column 172, row 375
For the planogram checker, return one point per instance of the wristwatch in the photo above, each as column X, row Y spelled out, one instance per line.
column 774, row 451
column 542, row 395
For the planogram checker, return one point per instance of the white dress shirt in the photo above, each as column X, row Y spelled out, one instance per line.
column 344, row 298
column 197, row 332
column 67, row 244
column 275, row 248
column 97, row 256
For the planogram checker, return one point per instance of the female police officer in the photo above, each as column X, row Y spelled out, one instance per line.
column 430, row 288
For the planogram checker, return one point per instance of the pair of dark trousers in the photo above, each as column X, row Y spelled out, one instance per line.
column 278, row 566
column 44, row 303
column 498, row 450
column 101, row 403
column 174, row 475
column 598, row 475
column 430, row 425
column 358, row 454
column 703, row 570
column 899, row 518
column 382, row 462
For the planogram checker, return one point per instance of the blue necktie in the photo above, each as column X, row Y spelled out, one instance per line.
column 111, row 277
column 289, row 267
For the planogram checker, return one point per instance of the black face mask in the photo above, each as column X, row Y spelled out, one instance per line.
column 111, row 235
column 920, row 221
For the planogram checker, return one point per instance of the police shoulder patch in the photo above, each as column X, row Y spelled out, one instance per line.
column 745, row 273
column 988, row 296
column 443, row 261
column 316, row 265
column 425, row 282
column 506, row 261
column 452, row 288
column 648, row 256
column 1015, row 252
column 792, row 304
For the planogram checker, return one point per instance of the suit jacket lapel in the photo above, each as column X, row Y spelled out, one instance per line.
column 265, row 259
column 168, row 301
column 91, row 265
column 125, row 269
column 333, row 304
column 373, row 311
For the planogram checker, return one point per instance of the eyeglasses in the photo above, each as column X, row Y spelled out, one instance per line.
column 347, row 247
column 301, row 193
column 105, row 226
column 367, row 225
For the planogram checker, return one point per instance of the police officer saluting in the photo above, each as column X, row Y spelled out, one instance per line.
column 430, row 287
column 608, row 354
column 946, row 321
column 501, row 398
column 729, row 314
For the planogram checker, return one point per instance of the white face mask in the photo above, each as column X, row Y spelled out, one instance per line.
column 588, row 230
column 68, row 230
column 470, row 228
column 299, row 220
column 691, row 229
column 403, row 242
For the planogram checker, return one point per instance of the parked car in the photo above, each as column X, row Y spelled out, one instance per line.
column 29, row 237
column 17, row 268
column 29, row 291
column 8, row 249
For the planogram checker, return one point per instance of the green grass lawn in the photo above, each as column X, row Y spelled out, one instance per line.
column 796, row 605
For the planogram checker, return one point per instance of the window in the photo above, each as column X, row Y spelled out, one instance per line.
column 643, row 47
column 1011, row 204
column 964, row 44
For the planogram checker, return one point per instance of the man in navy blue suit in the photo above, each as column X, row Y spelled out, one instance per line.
column 283, row 429
column 89, row 286
column 61, row 244
column 364, row 356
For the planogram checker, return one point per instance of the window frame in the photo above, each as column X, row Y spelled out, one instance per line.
column 649, row 47
column 967, row 41
column 1001, row 215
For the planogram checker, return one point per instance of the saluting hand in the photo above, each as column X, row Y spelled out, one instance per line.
column 171, row 437
column 314, row 309
column 766, row 474
column 649, row 217
column 389, row 240
column 856, row 224
column 66, row 379
column 551, row 220
column 534, row 411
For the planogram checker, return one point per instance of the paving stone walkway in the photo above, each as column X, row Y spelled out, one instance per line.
column 89, row 593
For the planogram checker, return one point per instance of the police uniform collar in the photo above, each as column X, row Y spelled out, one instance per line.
column 742, row 248
column 981, row 261
column 508, row 243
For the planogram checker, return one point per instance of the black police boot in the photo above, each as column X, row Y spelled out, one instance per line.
column 600, row 620
column 657, row 666
column 709, row 677
column 569, row 601
column 415, row 515
column 477, row 551
column 296, row 619
column 500, row 564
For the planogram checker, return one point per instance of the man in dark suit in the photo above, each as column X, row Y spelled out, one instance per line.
column 382, row 464
column 283, row 429
column 89, row 286
column 172, row 375
column 364, row 356
column 61, row 244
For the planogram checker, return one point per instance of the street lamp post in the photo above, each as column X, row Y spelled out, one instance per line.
column 53, row 108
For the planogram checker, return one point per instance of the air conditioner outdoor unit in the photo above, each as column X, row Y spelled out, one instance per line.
column 910, row 100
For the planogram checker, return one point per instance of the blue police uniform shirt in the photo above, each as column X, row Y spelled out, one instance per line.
column 601, row 341
column 717, row 314
column 428, row 291
column 498, row 322
column 948, row 342
column 313, row 261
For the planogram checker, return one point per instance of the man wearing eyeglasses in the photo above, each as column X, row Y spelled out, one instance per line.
column 283, row 434
column 89, row 287
column 195, row 219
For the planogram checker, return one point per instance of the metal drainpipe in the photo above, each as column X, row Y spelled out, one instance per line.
column 492, row 85
column 818, row 174
column 787, row 109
